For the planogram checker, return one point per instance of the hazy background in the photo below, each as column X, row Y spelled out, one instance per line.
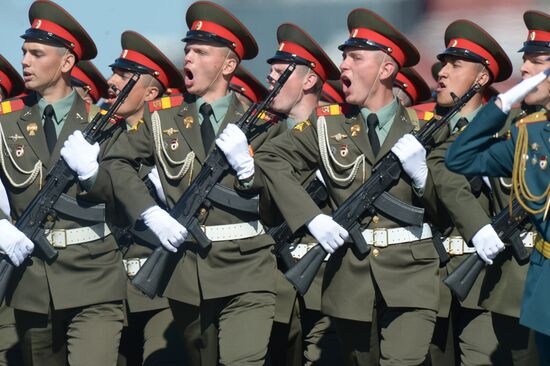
column 163, row 23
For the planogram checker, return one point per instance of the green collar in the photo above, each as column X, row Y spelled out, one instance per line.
column 219, row 107
column 385, row 114
column 469, row 117
column 61, row 107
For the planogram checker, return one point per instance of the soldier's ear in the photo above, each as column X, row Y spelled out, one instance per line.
column 388, row 69
column 310, row 80
column 67, row 62
column 484, row 78
column 151, row 93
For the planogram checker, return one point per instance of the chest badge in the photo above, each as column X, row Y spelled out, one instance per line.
column 344, row 150
column 15, row 137
column 19, row 150
column 339, row 136
column 188, row 121
column 174, row 144
column 32, row 128
column 170, row 131
column 355, row 129
column 543, row 162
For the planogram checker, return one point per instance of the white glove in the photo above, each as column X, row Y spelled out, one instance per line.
column 232, row 141
column 487, row 243
column 4, row 202
column 155, row 179
column 169, row 231
column 328, row 233
column 412, row 155
column 14, row 243
column 320, row 177
column 517, row 93
column 80, row 155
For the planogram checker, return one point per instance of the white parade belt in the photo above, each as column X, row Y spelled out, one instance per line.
column 241, row 230
column 61, row 238
column 455, row 245
column 133, row 265
column 383, row 237
column 299, row 250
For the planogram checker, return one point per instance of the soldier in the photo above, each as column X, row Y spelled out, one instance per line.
column 471, row 56
column 337, row 143
column 230, row 285
column 68, row 309
column 88, row 82
column 410, row 88
column 523, row 156
column 297, row 100
column 11, row 85
column 249, row 89
column 150, row 336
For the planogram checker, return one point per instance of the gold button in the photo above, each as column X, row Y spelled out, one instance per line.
column 375, row 219
column 202, row 211
column 375, row 252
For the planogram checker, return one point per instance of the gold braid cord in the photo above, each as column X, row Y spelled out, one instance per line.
column 520, row 188
column 161, row 152
column 32, row 174
column 328, row 157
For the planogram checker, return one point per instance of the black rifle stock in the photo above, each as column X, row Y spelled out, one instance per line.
column 508, row 228
column 150, row 276
column 361, row 202
column 40, row 209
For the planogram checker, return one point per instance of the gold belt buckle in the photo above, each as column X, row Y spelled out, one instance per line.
column 59, row 238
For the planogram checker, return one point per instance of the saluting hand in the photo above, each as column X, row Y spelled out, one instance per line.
column 232, row 141
column 80, row 156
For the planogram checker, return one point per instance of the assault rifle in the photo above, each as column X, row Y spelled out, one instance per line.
column 507, row 224
column 362, row 202
column 150, row 277
column 41, row 209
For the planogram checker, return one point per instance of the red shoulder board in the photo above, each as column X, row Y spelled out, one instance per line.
column 330, row 110
column 424, row 115
column 165, row 103
column 12, row 105
column 269, row 117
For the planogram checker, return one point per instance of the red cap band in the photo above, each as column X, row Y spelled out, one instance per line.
column 206, row 26
column 51, row 27
column 6, row 83
column 492, row 65
column 332, row 93
column 147, row 62
column 392, row 48
column 77, row 73
column 407, row 86
column 300, row 51
column 538, row 35
column 244, row 89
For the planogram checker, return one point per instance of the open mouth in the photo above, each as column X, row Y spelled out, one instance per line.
column 345, row 81
column 440, row 86
column 188, row 74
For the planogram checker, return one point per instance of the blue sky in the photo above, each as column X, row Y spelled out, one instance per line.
column 104, row 20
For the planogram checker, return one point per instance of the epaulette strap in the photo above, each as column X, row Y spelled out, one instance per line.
column 413, row 116
column 165, row 103
column 533, row 118
column 13, row 105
